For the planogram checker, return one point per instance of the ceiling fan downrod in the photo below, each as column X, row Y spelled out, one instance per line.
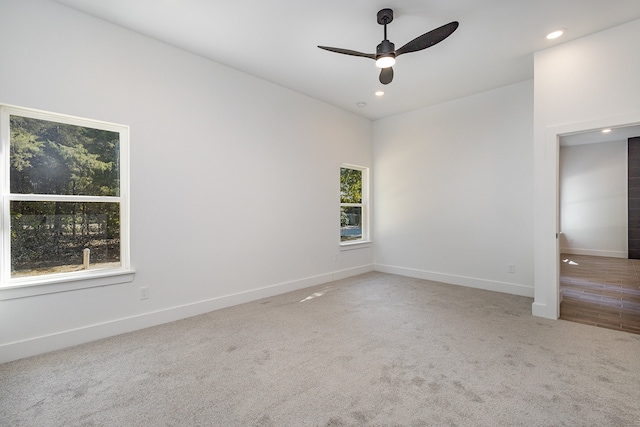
column 385, row 49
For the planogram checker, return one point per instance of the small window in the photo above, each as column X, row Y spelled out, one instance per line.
column 64, row 197
column 353, row 204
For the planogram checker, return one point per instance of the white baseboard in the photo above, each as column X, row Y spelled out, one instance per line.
column 489, row 285
column 43, row 344
column 540, row 310
column 594, row 252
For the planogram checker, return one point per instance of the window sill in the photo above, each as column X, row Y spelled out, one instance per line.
column 360, row 244
column 59, row 284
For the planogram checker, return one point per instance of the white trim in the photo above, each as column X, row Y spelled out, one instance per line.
column 350, row 245
column 5, row 223
column 539, row 310
column 5, row 220
column 451, row 279
column 61, row 118
column 350, row 272
column 42, row 344
column 53, row 284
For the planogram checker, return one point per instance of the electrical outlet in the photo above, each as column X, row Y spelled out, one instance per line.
column 336, row 258
column 511, row 268
column 144, row 292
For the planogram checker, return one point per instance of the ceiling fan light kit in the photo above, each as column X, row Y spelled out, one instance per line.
column 386, row 52
column 386, row 61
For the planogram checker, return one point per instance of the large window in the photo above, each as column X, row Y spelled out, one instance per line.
column 353, row 204
column 64, row 196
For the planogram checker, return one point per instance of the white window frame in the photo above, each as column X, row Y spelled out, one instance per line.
column 12, row 288
column 364, row 206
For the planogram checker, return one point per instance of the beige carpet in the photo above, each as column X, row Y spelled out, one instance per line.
column 372, row 350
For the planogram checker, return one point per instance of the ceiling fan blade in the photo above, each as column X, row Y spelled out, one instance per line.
column 348, row 52
column 428, row 39
column 386, row 75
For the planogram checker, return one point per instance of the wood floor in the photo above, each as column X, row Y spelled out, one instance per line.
column 601, row 291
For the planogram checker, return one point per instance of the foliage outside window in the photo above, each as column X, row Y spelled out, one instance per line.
column 353, row 204
column 64, row 201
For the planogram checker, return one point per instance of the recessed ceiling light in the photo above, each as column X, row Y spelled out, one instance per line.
column 555, row 34
column 380, row 93
column 606, row 130
column 361, row 104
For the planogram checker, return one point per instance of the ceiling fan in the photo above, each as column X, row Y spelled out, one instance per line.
column 386, row 52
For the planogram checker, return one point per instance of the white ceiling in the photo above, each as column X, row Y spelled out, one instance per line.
column 276, row 40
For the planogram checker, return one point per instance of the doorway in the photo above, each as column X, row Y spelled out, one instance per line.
column 598, row 284
column 546, row 209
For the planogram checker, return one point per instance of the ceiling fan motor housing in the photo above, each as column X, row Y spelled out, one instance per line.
column 385, row 48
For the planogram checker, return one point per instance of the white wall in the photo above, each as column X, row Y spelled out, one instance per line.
column 453, row 189
column 585, row 84
column 593, row 199
column 234, row 180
